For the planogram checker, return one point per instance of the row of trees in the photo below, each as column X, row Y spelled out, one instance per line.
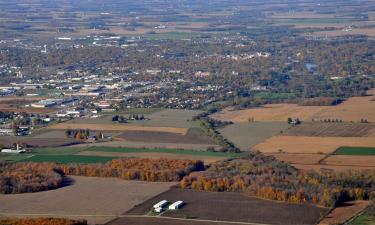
column 268, row 178
column 34, row 177
column 41, row 221
column 209, row 126
column 28, row 177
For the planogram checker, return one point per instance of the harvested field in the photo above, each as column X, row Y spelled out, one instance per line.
column 302, row 144
column 193, row 136
column 298, row 158
column 343, row 213
column 354, row 109
column 350, row 161
column 116, row 127
column 13, row 108
column 133, row 144
column 98, row 200
column 357, row 31
column 322, row 167
column 152, row 155
column 225, row 206
column 38, row 142
column 333, row 130
column 246, row 135
column 270, row 112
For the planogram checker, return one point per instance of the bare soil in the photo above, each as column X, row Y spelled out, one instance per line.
column 98, row 200
column 193, row 136
column 225, row 206
column 333, row 130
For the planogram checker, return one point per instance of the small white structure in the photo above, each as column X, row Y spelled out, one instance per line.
column 160, row 204
column 18, row 150
column 158, row 210
column 176, row 205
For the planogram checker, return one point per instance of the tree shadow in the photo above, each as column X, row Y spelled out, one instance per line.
column 66, row 181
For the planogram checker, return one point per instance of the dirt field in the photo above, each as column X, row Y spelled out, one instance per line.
column 270, row 112
column 12, row 108
column 350, row 160
column 96, row 199
column 153, row 155
column 333, row 130
column 345, row 212
column 313, row 145
column 193, row 136
column 161, row 221
column 225, row 206
column 247, row 135
column 356, row 31
column 37, row 142
column 116, row 127
column 134, row 144
column 354, row 109
column 304, row 159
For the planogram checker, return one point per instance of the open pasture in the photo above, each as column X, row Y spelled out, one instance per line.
column 225, row 206
column 355, row 151
column 98, row 200
column 246, row 135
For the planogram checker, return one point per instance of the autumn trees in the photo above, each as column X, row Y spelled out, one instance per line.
column 28, row 177
column 268, row 178
column 34, row 177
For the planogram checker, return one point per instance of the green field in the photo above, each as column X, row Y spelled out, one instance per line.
column 69, row 154
column 355, row 151
column 366, row 218
column 163, row 150
column 67, row 159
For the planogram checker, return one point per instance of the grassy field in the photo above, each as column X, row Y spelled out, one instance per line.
column 68, row 159
column 355, row 151
column 246, row 135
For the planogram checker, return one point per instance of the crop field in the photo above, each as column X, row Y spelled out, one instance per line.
column 332, row 129
column 354, row 109
column 304, row 144
column 350, row 160
column 355, row 151
column 104, row 154
column 247, row 135
column 193, row 136
column 98, row 200
column 298, row 158
column 343, row 213
column 356, row 31
column 38, row 142
column 225, row 206
column 116, row 127
column 65, row 159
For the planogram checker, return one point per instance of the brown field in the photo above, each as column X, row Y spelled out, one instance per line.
column 13, row 108
column 270, row 112
column 153, row 155
column 357, row 31
column 38, row 142
column 143, row 220
column 302, row 144
column 117, row 127
column 350, row 160
column 98, row 200
column 226, row 206
column 134, row 144
column 192, row 136
column 301, row 15
column 354, row 109
column 343, row 213
column 304, row 159
column 332, row 130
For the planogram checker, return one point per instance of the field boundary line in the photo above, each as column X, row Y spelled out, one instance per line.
column 196, row 220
